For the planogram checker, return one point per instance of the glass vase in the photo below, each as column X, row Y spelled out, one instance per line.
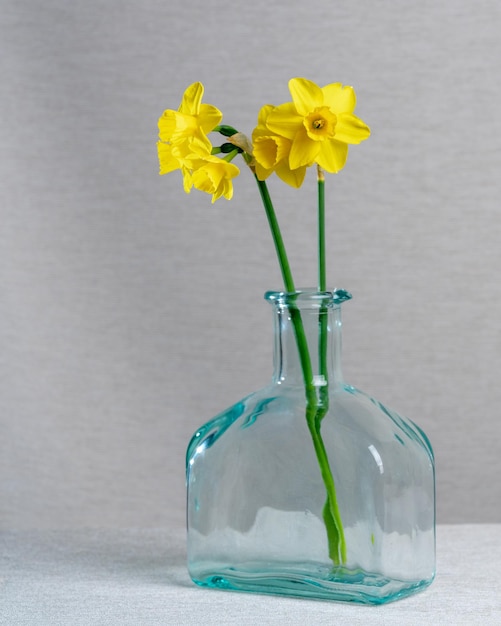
column 309, row 487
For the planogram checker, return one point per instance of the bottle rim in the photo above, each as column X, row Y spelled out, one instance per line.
column 332, row 297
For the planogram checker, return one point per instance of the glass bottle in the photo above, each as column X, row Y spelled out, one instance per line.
column 262, row 474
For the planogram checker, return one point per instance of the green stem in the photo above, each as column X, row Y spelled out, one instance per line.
column 331, row 514
column 322, row 286
column 277, row 236
column 332, row 518
column 230, row 155
column 316, row 407
column 322, row 283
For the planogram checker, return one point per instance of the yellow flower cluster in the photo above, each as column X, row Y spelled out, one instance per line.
column 183, row 144
column 315, row 128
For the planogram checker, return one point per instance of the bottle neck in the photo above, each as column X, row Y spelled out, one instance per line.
column 307, row 333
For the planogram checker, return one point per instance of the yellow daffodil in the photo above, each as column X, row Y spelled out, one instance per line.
column 183, row 134
column 320, row 124
column 213, row 175
column 200, row 169
column 271, row 152
column 192, row 121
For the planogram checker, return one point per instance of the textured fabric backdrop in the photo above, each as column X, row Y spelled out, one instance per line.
column 131, row 313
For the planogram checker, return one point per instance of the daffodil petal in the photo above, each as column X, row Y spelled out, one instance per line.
column 192, row 97
column 294, row 178
column 284, row 120
column 262, row 116
column 351, row 129
column 209, row 117
column 332, row 156
column 228, row 190
column 187, row 181
column 201, row 142
column 306, row 95
column 262, row 173
column 303, row 151
column 339, row 98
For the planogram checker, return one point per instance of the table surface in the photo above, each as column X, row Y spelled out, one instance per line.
column 139, row 577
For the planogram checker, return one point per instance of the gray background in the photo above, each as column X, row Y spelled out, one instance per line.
column 131, row 313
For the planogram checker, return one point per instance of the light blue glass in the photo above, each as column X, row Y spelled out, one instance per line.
column 256, row 495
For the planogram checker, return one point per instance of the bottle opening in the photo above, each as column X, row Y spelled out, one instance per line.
column 309, row 296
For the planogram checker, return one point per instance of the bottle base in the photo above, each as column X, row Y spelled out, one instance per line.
column 339, row 585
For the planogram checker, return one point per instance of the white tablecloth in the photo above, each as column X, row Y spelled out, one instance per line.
column 138, row 577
